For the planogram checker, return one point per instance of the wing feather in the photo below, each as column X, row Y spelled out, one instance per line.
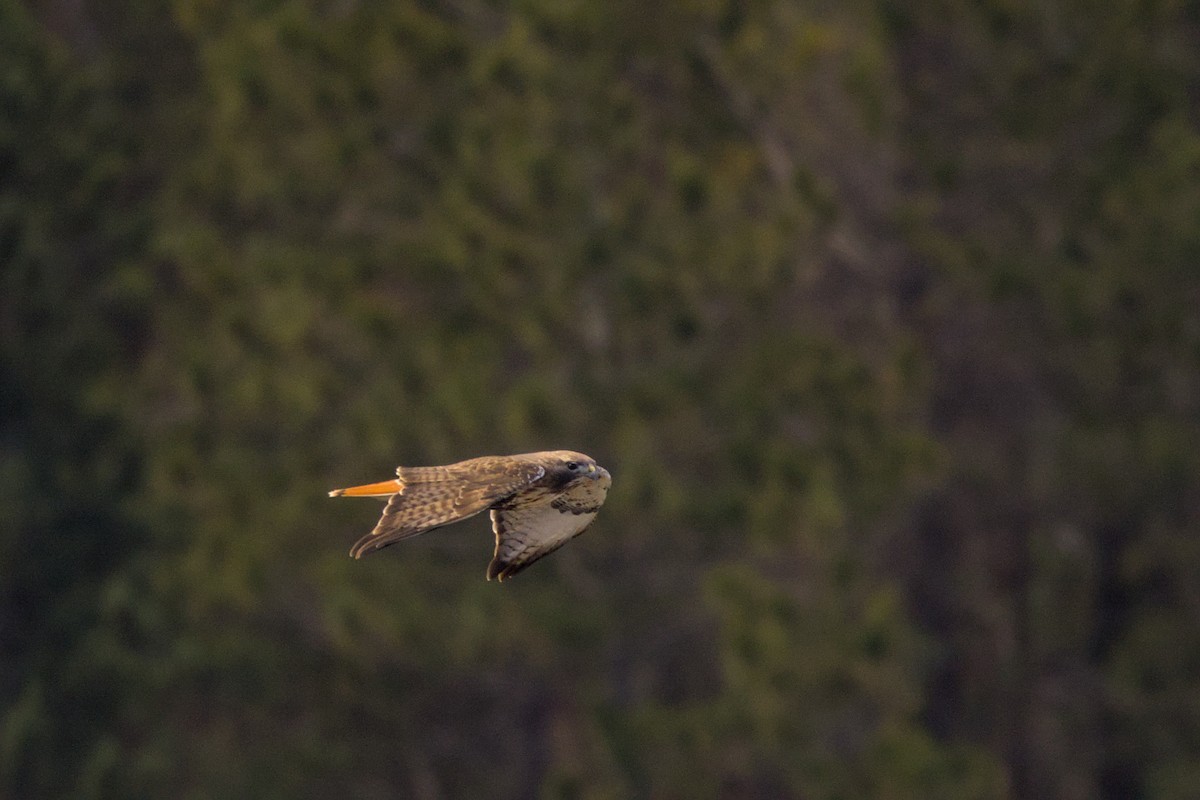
column 431, row 497
column 536, row 523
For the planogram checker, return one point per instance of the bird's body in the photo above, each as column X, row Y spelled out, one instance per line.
column 538, row 502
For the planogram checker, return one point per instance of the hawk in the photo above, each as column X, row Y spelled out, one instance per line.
column 538, row 501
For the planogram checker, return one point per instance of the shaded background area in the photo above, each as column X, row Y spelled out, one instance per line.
column 885, row 317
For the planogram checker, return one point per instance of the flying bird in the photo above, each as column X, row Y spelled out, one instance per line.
column 538, row 502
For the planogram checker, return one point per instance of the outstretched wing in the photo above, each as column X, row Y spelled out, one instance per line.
column 430, row 497
column 537, row 522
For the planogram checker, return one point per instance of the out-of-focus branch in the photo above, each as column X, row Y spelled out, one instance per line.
column 741, row 104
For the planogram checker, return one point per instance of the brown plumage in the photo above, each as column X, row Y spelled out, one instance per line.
column 538, row 502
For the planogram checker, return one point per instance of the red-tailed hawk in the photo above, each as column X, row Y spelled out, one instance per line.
column 538, row 501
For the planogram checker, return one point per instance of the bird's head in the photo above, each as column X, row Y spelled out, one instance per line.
column 571, row 466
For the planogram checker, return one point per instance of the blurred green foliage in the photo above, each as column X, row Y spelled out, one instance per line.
column 885, row 317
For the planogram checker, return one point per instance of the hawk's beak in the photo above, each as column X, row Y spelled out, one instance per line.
column 591, row 467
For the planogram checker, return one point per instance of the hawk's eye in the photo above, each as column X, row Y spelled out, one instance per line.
column 572, row 465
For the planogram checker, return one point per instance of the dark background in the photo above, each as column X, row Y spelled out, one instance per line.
column 885, row 317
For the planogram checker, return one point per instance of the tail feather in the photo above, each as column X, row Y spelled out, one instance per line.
column 381, row 489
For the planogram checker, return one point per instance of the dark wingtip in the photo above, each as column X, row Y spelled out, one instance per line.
column 495, row 570
column 502, row 572
column 362, row 546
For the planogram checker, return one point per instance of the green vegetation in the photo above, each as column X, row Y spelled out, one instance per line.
column 885, row 317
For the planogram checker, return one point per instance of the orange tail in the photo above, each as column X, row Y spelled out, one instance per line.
column 383, row 489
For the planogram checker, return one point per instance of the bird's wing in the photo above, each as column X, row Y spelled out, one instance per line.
column 536, row 522
column 430, row 497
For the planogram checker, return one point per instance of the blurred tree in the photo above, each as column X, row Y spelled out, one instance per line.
column 67, row 459
column 884, row 316
column 1060, row 319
